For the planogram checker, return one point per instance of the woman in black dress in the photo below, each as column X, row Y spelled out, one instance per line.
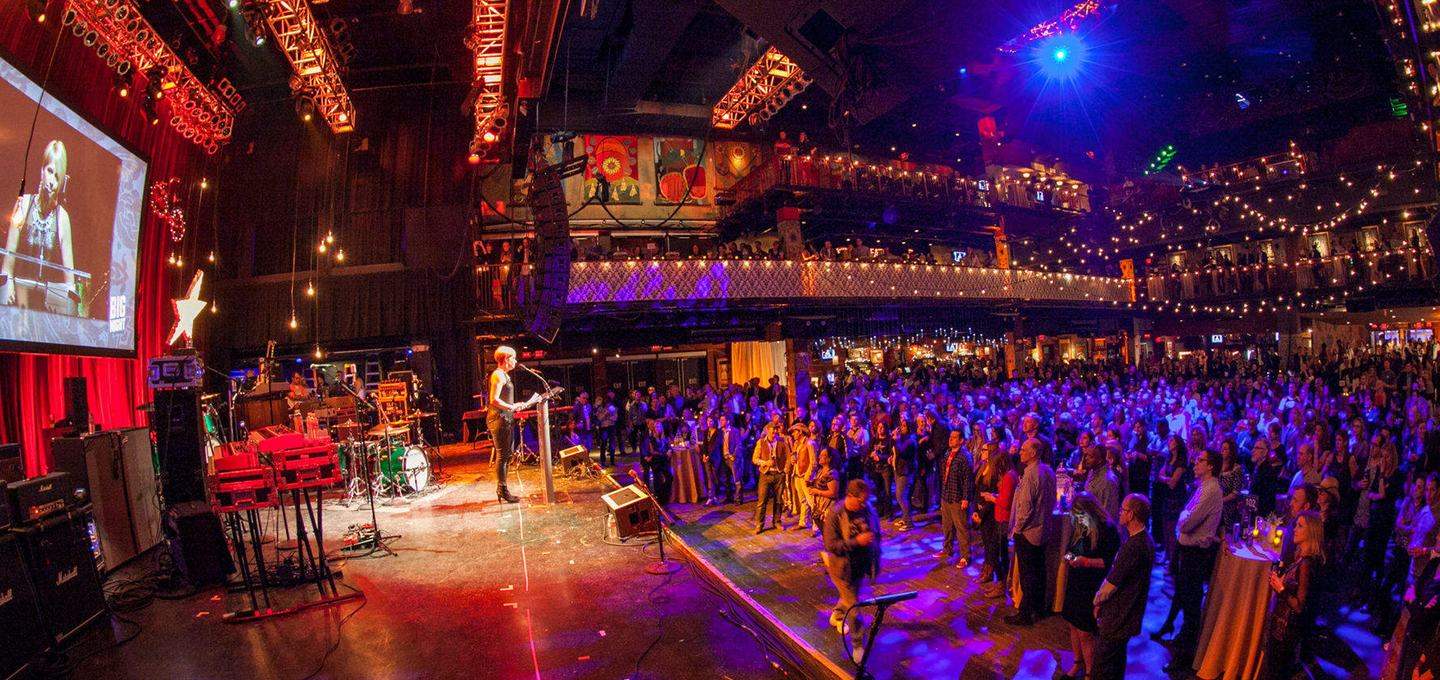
column 1293, row 615
column 1093, row 544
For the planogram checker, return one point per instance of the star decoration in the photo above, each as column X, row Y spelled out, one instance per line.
column 186, row 309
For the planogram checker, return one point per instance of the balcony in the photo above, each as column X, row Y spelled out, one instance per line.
column 1341, row 275
column 697, row 282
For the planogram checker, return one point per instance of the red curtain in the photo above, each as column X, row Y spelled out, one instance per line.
column 32, row 385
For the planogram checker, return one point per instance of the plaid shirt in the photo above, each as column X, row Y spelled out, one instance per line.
column 957, row 476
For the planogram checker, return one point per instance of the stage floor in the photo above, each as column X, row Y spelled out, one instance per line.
column 478, row 590
column 951, row 630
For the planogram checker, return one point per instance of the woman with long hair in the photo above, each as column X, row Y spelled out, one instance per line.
column 995, row 486
column 1295, row 605
column 1232, row 484
column 1170, row 486
column 825, row 486
column 1093, row 544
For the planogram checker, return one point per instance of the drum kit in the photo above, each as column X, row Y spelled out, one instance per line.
column 386, row 460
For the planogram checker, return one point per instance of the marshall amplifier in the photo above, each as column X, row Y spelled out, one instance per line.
column 5, row 513
column 61, row 561
column 32, row 500
column 20, row 630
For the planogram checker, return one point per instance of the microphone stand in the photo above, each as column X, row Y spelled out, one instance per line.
column 661, row 567
column 880, row 604
column 375, row 539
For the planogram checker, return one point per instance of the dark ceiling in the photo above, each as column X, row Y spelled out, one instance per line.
column 914, row 75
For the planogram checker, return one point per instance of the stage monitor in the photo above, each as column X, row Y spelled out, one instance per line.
column 69, row 242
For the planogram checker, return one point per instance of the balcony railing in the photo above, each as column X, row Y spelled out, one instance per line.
column 697, row 281
column 1350, row 273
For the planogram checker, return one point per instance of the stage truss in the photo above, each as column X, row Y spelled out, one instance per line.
column 762, row 90
column 316, row 75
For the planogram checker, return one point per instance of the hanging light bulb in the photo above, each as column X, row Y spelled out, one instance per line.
column 171, row 259
column 211, row 257
column 340, row 255
column 322, row 247
column 204, row 183
column 179, row 261
column 318, row 353
column 310, row 289
column 294, row 322
column 214, row 307
column 329, row 237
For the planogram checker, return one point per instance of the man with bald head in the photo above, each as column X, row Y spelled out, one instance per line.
column 1033, row 505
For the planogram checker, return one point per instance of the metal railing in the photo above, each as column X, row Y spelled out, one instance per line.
column 627, row 282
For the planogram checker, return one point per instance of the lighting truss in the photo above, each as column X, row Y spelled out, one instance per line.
column 121, row 36
column 316, row 71
column 762, row 90
column 487, row 42
column 1069, row 20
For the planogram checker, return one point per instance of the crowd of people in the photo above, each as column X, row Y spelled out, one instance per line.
column 1341, row 448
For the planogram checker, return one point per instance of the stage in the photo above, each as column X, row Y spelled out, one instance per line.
column 478, row 589
column 951, row 630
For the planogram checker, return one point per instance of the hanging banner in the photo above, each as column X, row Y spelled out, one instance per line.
column 615, row 159
column 679, row 176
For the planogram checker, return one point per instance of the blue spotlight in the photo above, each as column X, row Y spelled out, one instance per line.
column 1060, row 56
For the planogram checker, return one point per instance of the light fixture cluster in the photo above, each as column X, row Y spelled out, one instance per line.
column 126, row 41
column 487, row 42
column 1068, row 21
column 762, row 90
column 316, row 78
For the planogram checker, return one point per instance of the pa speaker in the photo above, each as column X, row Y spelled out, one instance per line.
column 632, row 511
column 77, row 404
column 180, row 445
column 20, row 627
column 543, row 294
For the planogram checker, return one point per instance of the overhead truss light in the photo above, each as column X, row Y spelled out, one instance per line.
column 487, row 41
column 316, row 71
column 1067, row 22
column 126, row 41
column 762, row 90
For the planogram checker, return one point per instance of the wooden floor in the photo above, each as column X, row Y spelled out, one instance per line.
column 951, row 630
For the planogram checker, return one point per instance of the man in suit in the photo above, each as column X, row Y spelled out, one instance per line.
column 724, row 448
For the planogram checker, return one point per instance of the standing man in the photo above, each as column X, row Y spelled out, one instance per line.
column 635, row 412
column 957, row 486
column 606, row 416
column 852, row 553
column 1034, row 503
column 1197, row 539
column 802, row 446
column 500, row 417
column 1120, row 602
column 729, row 441
column 769, row 458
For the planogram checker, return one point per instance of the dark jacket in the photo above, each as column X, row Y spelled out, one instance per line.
column 853, row 559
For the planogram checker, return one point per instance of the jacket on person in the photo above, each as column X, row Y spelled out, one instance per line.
column 852, row 558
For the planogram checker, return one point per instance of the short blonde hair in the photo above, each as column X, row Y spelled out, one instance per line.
column 503, row 351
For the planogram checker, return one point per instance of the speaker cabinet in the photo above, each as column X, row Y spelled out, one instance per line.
column 12, row 463
column 632, row 511
column 116, row 471
column 77, row 403
column 20, row 630
column 179, row 441
column 61, row 562
column 197, row 543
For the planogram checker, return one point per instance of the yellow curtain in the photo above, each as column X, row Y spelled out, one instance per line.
column 757, row 360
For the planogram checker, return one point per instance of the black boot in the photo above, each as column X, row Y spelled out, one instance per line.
column 504, row 494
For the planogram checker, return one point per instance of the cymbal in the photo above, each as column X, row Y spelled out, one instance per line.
column 383, row 431
column 422, row 414
column 348, row 423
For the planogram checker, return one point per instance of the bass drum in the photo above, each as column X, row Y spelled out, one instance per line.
column 415, row 468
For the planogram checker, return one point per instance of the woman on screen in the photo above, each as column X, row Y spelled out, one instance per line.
column 38, row 240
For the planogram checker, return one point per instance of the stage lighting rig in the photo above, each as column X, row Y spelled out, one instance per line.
column 487, row 42
column 762, row 90
column 125, row 40
column 1068, row 22
column 316, row 70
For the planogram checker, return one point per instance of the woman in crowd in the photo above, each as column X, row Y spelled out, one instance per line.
column 995, row 486
column 825, row 486
column 903, row 461
column 879, row 471
column 1093, row 544
column 1170, row 486
column 1232, row 484
column 1293, row 614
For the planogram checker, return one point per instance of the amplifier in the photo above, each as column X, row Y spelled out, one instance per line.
column 12, row 464
column 573, row 456
column 5, row 513
column 197, row 544
column 19, row 618
column 117, row 470
column 32, row 500
column 59, row 555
